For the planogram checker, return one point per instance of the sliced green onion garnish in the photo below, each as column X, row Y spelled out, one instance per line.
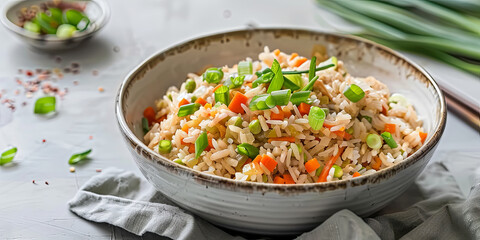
column 255, row 127
column 56, row 14
column 319, row 171
column 145, row 126
column 255, row 100
column 368, row 118
column 32, row 27
column 310, row 84
column 222, row 95
column 331, row 60
column 264, row 178
column 311, row 71
column 281, row 97
column 8, row 155
column 235, row 82
column 44, row 105
column 296, row 145
column 265, row 78
column 389, row 139
column 277, row 81
column 244, row 68
column 247, row 150
column 398, row 99
column 306, row 71
column 354, row 93
column 213, row 75
column 293, row 82
column 164, row 146
column 338, row 171
column 75, row 158
column 188, row 109
column 374, row 141
column 241, row 161
column 83, row 24
column 299, row 97
column 326, row 110
column 73, row 17
column 316, row 117
column 179, row 161
column 200, row 144
column 190, row 85
column 47, row 23
column 269, row 103
column 66, row 31
column 193, row 99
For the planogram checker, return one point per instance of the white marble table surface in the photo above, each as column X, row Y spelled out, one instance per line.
column 137, row 29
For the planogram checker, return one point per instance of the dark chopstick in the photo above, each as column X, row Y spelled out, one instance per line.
column 465, row 109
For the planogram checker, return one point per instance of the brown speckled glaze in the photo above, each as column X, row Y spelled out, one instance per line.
column 225, row 201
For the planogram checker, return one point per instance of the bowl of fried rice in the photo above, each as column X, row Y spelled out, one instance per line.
column 271, row 131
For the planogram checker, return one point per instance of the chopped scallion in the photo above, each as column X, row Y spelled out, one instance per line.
column 368, row 118
column 374, row 141
column 354, row 93
column 277, row 81
column 179, row 161
column 316, row 117
column 222, row 95
column 299, row 97
column 213, row 75
column 237, row 82
column 306, row 71
column 265, row 78
column 256, row 99
column 255, row 127
column 311, row 71
column 293, row 81
column 389, row 139
column 235, row 121
column 281, row 97
column 44, row 105
column 164, row 146
column 190, row 85
column 248, row 150
column 200, row 144
column 75, row 158
column 244, row 68
column 145, row 126
column 8, row 155
column 188, row 109
column 310, row 84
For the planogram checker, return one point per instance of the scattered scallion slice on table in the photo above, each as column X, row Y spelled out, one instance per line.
column 244, row 68
column 145, row 126
column 45, row 105
column 354, row 93
column 389, row 140
column 164, row 146
column 201, row 144
column 188, row 109
column 213, row 75
column 374, row 141
column 8, row 155
column 316, row 117
column 75, row 158
column 248, row 150
column 299, row 97
column 222, row 95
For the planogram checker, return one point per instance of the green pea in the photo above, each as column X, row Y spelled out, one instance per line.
column 190, row 85
column 349, row 131
column 255, row 127
column 338, row 171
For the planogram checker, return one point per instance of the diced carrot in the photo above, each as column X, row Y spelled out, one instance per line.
column 208, row 106
column 213, row 113
column 304, row 108
column 191, row 148
column 201, row 101
column 328, row 125
column 218, row 86
column 149, row 114
column 341, row 134
column 423, row 136
column 236, row 103
column 287, row 139
column 294, row 55
column 248, row 161
column 269, row 162
column 250, row 84
column 312, row 165
column 254, row 117
column 183, row 102
column 328, row 166
column 347, row 136
column 277, row 116
column 299, row 61
column 159, row 120
column 357, row 174
column 288, row 179
column 376, row 165
column 278, row 180
column 390, row 127
column 185, row 128
column 183, row 143
column 257, row 159
column 276, row 52
column 384, row 111
column 287, row 113
column 210, row 144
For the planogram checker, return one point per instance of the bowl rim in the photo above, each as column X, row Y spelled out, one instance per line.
column 225, row 183
column 101, row 22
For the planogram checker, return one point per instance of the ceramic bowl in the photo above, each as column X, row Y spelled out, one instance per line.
column 270, row 208
column 97, row 11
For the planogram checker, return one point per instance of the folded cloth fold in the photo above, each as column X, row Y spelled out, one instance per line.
column 443, row 211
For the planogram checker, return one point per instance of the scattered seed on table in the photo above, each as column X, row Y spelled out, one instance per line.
column 58, row 59
column 24, row 103
column 46, row 182
column 75, row 83
column 100, row 89
column 33, row 181
column 38, row 70
column 72, row 169
column 44, row 140
column 98, row 170
column 227, row 13
column 116, row 49
column 75, row 71
column 20, row 71
column 95, row 73
column 66, row 70
column 75, row 65
column 29, row 73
